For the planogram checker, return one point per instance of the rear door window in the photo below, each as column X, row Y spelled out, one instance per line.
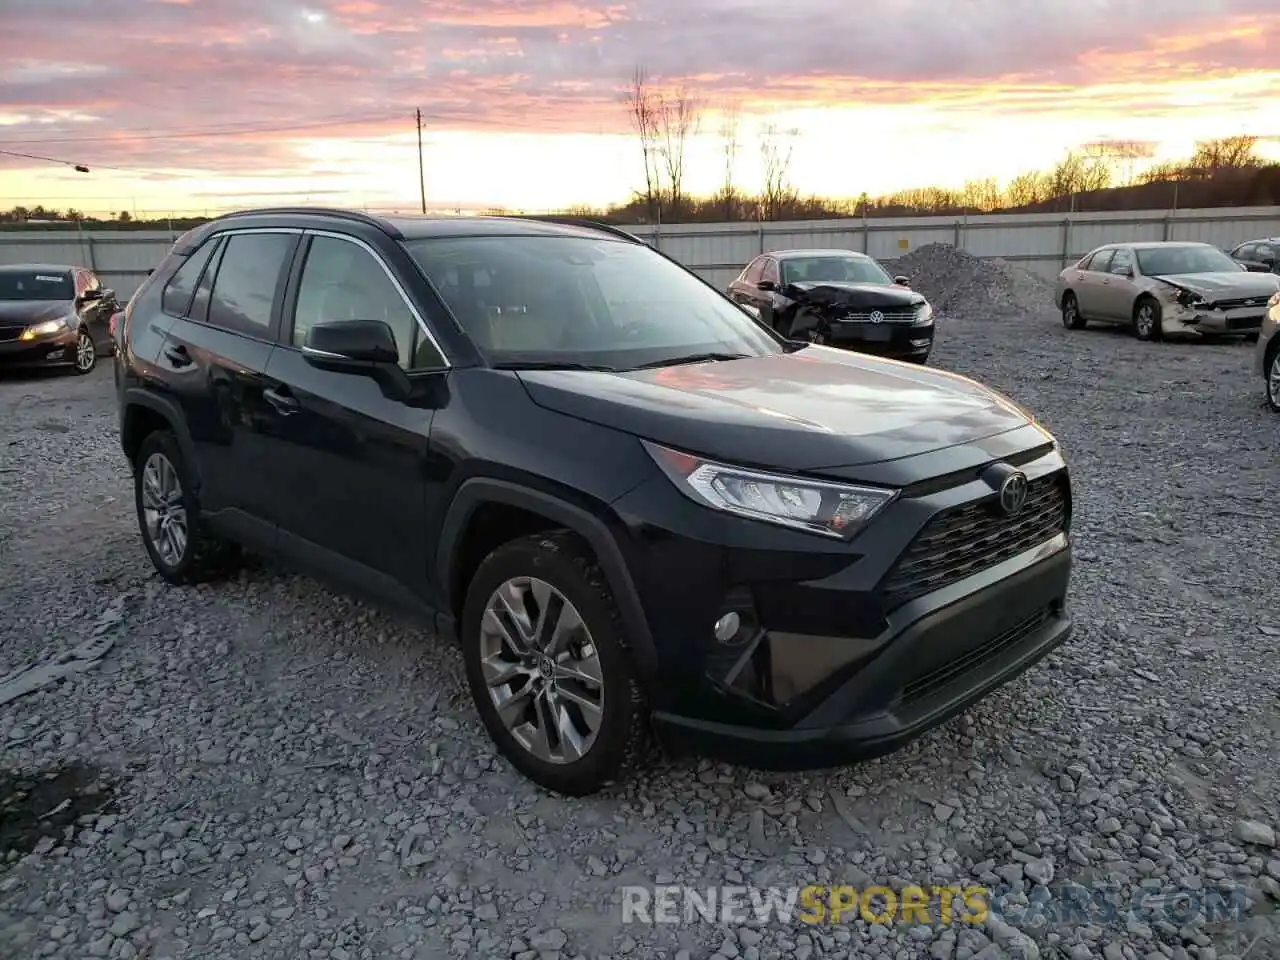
column 249, row 280
column 175, row 299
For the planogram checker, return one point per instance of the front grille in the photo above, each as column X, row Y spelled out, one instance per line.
column 889, row 316
column 10, row 333
column 935, row 680
column 969, row 538
column 1240, row 302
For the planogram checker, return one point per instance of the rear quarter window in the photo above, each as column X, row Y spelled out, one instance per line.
column 176, row 298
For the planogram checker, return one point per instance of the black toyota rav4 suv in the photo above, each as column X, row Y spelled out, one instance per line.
column 638, row 510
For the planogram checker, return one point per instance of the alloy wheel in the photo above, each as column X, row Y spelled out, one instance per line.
column 542, row 670
column 164, row 515
column 1146, row 320
column 1070, row 309
column 86, row 355
column 1273, row 381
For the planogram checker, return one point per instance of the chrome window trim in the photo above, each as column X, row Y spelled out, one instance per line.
column 408, row 302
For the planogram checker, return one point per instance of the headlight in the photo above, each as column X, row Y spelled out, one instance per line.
column 1186, row 298
column 832, row 509
column 1275, row 300
column 924, row 314
column 43, row 329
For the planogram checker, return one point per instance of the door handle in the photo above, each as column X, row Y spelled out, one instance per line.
column 178, row 356
column 284, row 404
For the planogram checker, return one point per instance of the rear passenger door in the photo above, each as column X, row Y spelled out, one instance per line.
column 1119, row 292
column 352, row 464
column 1091, row 288
column 214, row 358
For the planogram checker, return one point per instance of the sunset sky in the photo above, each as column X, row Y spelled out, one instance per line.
column 214, row 104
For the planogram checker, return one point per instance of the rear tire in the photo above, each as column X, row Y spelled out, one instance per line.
column 574, row 718
column 181, row 548
column 1071, row 318
column 1273, row 377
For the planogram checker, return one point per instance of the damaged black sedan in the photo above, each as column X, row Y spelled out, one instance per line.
column 837, row 297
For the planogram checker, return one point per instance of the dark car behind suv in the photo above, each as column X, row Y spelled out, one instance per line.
column 53, row 316
column 1258, row 256
column 636, row 508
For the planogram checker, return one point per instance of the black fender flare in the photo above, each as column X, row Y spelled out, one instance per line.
column 477, row 491
column 166, row 408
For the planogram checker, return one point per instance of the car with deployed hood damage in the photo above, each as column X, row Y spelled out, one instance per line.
column 837, row 297
column 1164, row 289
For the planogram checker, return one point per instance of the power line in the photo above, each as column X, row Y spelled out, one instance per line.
column 84, row 168
column 235, row 131
column 79, row 167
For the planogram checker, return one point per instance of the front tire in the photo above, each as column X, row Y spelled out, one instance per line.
column 180, row 546
column 1071, row 317
column 86, row 353
column 1147, row 323
column 1273, row 380
column 549, row 666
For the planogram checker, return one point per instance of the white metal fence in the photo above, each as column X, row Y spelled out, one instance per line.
column 718, row 251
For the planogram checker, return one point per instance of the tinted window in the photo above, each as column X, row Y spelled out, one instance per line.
column 176, row 297
column 1169, row 261
column 245, row 287
column 343, row 281
column 770, row 271
column 1265, row 252
column 753, row 271
column 1121, row 262
column 1245, row 251
column 840, row 269
column 582, row 300
column 1101, row 261
column 35, row 285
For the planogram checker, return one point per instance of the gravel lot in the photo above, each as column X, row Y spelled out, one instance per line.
column 283, row 772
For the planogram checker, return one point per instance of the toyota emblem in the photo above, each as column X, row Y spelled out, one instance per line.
column 876, row 316
column 1013, row 493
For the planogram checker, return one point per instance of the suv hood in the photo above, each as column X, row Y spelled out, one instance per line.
column 23, row 313
column 1225, row 286
column 815, row 409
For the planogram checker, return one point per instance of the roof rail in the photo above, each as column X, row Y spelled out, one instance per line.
column 355, row 215
column 582, row 222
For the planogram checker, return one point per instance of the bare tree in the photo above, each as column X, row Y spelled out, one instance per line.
column 679, row 119
column 1123, row 153
column 644, row 110
column 777, row 193
column 981, row 196
column 1214, row 157
column 1027, row 189
column 729, row 124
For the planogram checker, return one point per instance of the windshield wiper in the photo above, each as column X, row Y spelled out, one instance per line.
column 691, row 358
column 552, row 365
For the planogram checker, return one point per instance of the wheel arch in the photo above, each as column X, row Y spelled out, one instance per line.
column 143, row 413
column 455, row 562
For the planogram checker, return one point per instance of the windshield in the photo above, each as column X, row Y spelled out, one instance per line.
column 35, row 285
column 840, row 269
column 541, row 300
column 1167, row 261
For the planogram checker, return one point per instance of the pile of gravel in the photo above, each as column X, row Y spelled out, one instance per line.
column 960, row 285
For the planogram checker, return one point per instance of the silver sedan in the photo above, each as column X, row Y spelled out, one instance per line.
column 1164, row 289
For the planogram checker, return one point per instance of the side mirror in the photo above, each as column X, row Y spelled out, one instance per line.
column 902, row 281
column 766, row 285
column 351, row 346
column 365, row 347
column 108, row 294
column 1254, row 267
column 91, row 295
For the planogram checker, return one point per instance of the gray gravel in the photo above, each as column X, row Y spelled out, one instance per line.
column 962, row 286
column 297, row 775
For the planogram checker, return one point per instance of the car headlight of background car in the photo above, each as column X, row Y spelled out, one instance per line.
column 832, row 509
column 924, row 315
column 45, row 329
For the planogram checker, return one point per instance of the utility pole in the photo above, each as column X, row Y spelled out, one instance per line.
column 422, row 177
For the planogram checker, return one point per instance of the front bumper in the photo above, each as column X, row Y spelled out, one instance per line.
column 1195, row 321
column 849, row 649
column 56, row 350
column 894, row 340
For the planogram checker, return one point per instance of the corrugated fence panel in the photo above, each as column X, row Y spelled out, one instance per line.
column 718, row 251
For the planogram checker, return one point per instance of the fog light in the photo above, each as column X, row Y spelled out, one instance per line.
column 727, row 627
column 54, row 355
